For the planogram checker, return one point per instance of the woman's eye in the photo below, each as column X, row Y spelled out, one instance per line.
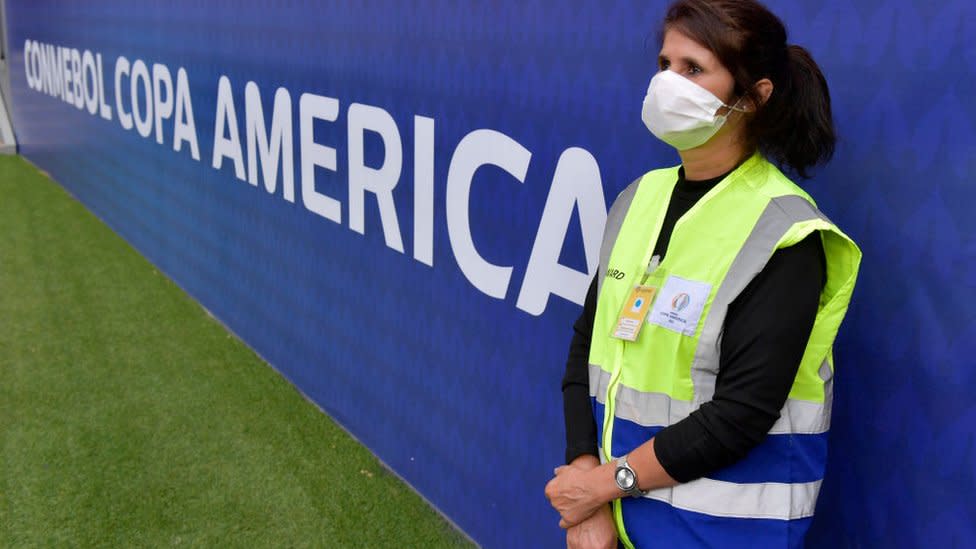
column 664, row 65
column 694, row 69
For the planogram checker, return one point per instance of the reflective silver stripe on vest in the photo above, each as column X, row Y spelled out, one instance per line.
column 769, row 500
column 659, row 410
column 805, row 417
column 649, row 409
column 802, row 417
column 599, row 382
column 643, row 408
column 780, row 214
column 615, row 220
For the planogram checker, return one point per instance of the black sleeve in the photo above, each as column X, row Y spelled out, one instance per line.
column 577, row 410
column 765, row 334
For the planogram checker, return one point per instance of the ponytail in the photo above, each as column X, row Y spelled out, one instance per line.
column 795, row 127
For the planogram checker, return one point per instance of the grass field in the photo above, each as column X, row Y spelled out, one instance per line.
column 130, row 418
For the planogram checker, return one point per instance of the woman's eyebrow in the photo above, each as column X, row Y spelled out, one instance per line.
column 662, row 58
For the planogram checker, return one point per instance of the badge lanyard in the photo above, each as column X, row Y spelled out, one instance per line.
column 635, row 308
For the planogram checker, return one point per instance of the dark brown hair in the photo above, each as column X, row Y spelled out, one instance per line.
column 794, row 127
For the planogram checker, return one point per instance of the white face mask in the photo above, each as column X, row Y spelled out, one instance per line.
column 682, row 113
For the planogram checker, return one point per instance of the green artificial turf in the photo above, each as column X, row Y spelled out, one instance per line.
column 130, row 418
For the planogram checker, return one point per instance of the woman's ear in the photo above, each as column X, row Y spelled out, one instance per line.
column 763, row 89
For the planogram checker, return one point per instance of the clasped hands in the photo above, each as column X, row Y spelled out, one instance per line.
column 580, row 493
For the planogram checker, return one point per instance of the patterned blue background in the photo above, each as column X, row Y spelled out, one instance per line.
column 459, row 392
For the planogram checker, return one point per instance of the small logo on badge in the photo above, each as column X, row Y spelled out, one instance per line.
column 638, row 303
column 680, row 301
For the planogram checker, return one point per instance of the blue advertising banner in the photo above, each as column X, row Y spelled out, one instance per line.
column 400, row 207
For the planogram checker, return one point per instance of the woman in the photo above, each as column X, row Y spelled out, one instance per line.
column 698, row 388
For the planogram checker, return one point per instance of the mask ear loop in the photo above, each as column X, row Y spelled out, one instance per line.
column 731, row 108
column 721, row 118
column 736, row 106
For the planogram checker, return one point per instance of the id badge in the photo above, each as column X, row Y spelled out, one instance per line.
column 632, row 315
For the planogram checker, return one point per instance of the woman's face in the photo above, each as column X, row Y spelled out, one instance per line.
column 696, row 63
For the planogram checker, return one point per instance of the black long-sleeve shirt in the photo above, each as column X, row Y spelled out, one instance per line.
column 766, row 331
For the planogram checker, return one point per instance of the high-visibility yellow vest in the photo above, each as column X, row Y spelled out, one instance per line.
column 637, row 388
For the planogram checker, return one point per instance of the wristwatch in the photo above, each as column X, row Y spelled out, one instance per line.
column 626, row 479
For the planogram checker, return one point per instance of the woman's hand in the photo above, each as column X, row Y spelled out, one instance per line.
column 578, row 494
column 596, row 532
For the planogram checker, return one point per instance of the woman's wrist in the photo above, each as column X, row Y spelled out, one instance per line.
column 586, row 462
column 602, row 485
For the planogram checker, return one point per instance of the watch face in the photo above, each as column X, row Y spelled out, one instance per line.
column 625, row 479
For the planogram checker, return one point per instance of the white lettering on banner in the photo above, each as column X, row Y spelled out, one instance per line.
column 78, row 85
column 72, row 75
column 44, row 69
column 146, row 99
column 162, row 88
column 64, row 58
column 28, row 72
column 184, row 127
column 313, row 107
column 379, row 181
column 140, row 76
column 121, row 69
column 31, row 69
column 271, row 148
column 423, row 190
column 68, row 76
column 576, row 184
column 90, row 79
column 479, row 148
column 45, row 74
column 226, row 123
column 48, row 71
column 103, row 109
column 59, row 73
